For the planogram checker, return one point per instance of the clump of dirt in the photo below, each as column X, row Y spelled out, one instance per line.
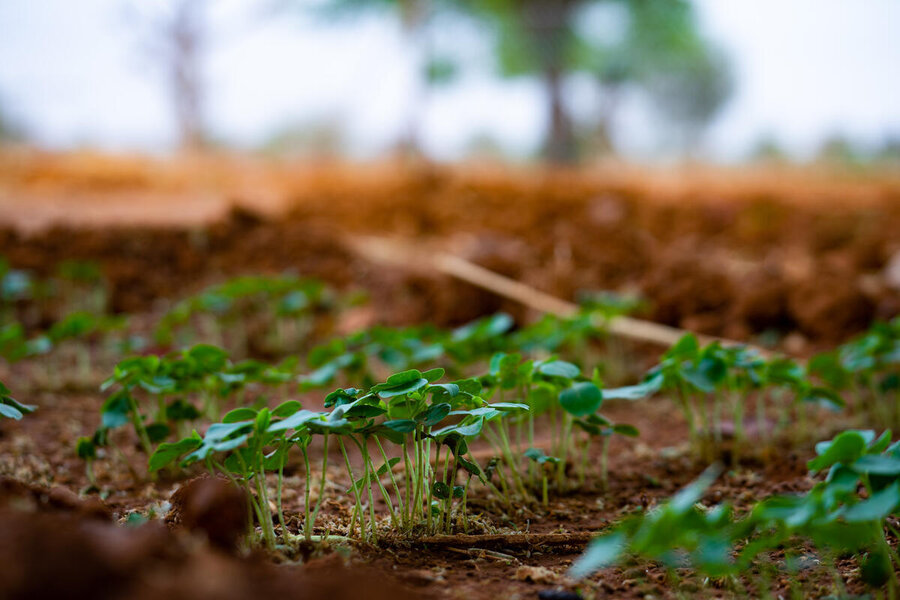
column 60, row 552
column 214, row 507
column 691, row 294
column 829, row 306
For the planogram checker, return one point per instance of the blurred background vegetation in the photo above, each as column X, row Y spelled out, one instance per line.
column 592, row 60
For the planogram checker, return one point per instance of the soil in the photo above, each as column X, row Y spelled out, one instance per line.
column 796, row 260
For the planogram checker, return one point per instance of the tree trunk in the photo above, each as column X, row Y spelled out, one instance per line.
column 413, row 16
column 547, row 23
column 560, row 145
column 186, row 35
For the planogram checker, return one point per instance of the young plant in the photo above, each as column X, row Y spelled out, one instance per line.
column 244, row 447
column 282, row 306
column 10, row 408
column 834, row 517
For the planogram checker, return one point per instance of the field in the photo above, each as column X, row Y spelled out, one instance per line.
column 233, row 395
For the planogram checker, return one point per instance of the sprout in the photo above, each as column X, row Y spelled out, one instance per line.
column 10, row 408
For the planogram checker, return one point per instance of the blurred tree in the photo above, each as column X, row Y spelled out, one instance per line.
column 175, row 34
column 768, row 150
column 11, row 130
column 654, row 46
column 415, row 18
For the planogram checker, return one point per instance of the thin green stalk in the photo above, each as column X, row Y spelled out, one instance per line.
column 358, row 507
column 688, row 413
column 604, row 463
column 265, row 515
column 407, row 472
column 279, row 485
column 563, row 455
column 449, row 500
column 507, row 452
column 308, row 526
column 307, row 531
column 138, row 424
column 384, row 492
column 391, row 473
column 465, row 511
column 368, row 475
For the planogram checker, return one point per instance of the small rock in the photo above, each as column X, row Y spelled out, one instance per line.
column 558, row 595
column 891, row 272
column 535, row 574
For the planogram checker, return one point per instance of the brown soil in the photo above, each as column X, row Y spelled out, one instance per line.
column 744, row 256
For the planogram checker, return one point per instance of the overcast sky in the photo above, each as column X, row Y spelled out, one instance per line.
column 75, row 72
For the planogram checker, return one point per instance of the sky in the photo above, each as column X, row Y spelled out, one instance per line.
column 81, row 73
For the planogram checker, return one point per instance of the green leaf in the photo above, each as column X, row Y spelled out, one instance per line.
column 602, row 552
column 875, row 508
column 286, row 409
column 432, row 375
column 295, row 421
column 875, row 464
column 341, row 396
column 508, row 406
column 691, row 494
column 364, row 411
column 165, row 454
column 383, row 469
column 400, row 384
column 239, row 414
column 582, row 399
column 10, row 411
column 444, row 390
column 116, row 410
column 881, row 444
column 441, row 490
column 401, row 425
column 626, row 430
column 468, row 430
column 559, row 368
column 824, row 397
column 434, row 414
column 845, row 448
column 633, row 392
column 85, row 448
column 470, row 467
column 686, row 347
column 263, row 419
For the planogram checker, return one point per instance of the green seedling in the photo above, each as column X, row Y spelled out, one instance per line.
column 712, row 382
column 243, row 450
column 82, row 286
column 10, row 408
column 834, row 517
column 220, row 314
column 162, row 396
column 537, row 455
column 868, row 367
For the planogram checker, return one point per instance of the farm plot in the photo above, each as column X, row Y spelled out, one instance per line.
column 179, row 419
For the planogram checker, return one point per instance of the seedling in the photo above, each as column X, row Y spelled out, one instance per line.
column 221, row 314
column 243, row 449
column 868, row 366
column 10, row 408
column 180, row 388
column 832, row 516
